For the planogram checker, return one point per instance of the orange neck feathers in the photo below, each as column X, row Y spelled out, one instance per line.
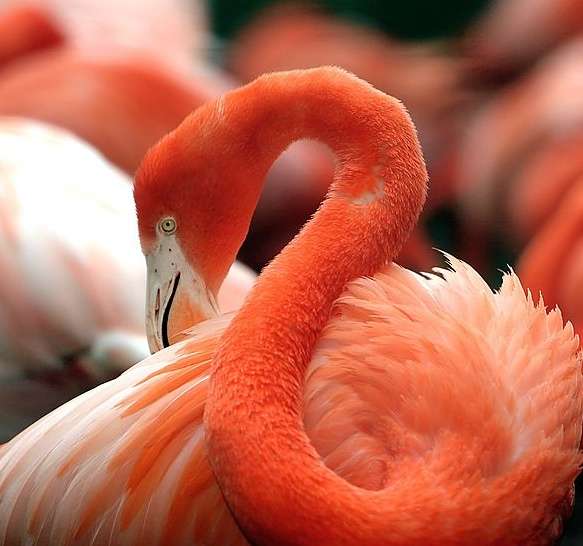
column 274, row 481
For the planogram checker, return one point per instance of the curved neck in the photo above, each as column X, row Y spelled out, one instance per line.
column 272, row 478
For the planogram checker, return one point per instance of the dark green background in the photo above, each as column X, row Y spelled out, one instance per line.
column 411, row 19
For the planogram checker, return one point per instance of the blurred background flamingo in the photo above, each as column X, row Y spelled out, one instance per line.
column 108, row 27
column 542, row 110
column 552, row 264
column 25, row 30
column 72, row 289
column 513, row 33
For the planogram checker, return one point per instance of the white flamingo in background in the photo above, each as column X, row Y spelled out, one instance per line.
column 72, row 295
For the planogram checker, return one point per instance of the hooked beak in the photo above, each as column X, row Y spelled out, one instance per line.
column 177, row 298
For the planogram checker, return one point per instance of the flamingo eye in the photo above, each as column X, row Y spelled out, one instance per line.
column 167, row 225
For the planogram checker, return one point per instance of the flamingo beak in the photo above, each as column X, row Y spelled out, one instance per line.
column 177, row 297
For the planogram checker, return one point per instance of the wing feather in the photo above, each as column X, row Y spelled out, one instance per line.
column 123, row 464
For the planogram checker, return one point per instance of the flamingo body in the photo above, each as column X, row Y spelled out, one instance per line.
column 126, row 462
column 65, row 242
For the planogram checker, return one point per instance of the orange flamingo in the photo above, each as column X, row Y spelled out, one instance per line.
column 72, row 291
column 126, row 464
column 552, row 264
column 98, row 68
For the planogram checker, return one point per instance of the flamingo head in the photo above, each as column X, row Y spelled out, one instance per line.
column 177, row 296
column 191, row 223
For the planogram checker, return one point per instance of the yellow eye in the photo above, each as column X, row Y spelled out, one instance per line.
column 167, row 225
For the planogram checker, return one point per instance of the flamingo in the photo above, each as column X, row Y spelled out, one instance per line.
column 24, row 30
column 542, row 108
column 105, row 27
column 120, row 105
column 98, row 70
column 126, row 462
column 543, row 181
column 513, row 33
column 72, row 292
column 552, row 263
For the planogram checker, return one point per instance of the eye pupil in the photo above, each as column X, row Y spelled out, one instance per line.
column 168, row 225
